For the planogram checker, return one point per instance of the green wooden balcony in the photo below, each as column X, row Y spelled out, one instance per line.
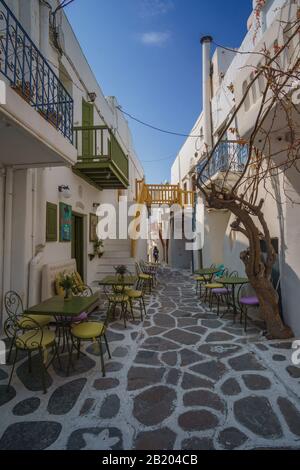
column 101, row 161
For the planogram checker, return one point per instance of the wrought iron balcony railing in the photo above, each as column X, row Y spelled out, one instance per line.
column 31, row 76
column 229, row 157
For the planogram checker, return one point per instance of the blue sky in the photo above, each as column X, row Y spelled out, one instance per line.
column 147, row 54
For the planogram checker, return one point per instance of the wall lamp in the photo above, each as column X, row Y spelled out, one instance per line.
column 92, row 97
column 64, row 191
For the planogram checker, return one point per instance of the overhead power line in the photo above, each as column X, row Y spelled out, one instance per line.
column 158, row 159
column 178, row 134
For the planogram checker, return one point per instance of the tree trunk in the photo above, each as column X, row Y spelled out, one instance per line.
column 269, row 305
column 258, row 271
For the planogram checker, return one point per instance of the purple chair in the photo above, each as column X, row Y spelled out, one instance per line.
column 220, row 293
column 246, row 302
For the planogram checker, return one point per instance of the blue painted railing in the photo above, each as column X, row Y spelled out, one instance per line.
column 31, row 76
column 229, row 156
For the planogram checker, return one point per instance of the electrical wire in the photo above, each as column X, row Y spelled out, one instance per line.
column 158, row 160
column 178, row 134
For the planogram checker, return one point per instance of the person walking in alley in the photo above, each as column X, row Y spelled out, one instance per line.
column 155, row 254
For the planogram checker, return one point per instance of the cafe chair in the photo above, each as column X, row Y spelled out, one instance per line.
column 144, row 279
column 35, row 339
column 90, row 331
column 14, row 308
column 245, row 302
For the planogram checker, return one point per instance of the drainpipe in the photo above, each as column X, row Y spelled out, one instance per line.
column 8, row 209
column 45, row 10
column 206, row 89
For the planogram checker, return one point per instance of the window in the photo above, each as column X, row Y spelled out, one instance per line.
column 51, row 222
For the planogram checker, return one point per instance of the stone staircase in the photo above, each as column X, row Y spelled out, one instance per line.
column 115, row 252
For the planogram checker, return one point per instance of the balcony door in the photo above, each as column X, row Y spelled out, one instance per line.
column 87, row 135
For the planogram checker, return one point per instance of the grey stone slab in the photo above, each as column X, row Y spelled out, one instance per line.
column 27, row 406
column 191, row 381
column 231, row 387
column 197, row 420
column 196, row 443
column 219, row 337
column 106, row 383
column 33, row 435
column 294, row 372
column 154, row 405
column 182, row 336
column 232, row 438
column 203, row 398
column 291, row 414
column 87, row 406
column 6, row 394
column 159, row 439
column 189, row 357
column 141, row 377
column 149, row 358
column 159, row 344
column 212, row 369
column 33, row 381
column 257, row 415
column 169, row 358
column 245, row 361
column 256, row 382
column 110, row 407
column 64, row 398
column 165, row 321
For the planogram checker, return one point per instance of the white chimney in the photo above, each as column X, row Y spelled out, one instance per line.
column 206, row 89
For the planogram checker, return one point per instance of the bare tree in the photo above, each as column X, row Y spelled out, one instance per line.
column 277, row 73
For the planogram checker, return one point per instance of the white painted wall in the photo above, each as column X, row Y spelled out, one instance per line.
column 29, row 207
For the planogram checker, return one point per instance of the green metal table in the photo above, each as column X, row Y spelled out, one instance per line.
column 116, row 281
column 58, row 307
column 233, row 281
column 63, row 311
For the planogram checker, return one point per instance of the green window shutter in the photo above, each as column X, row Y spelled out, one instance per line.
column 51, row 222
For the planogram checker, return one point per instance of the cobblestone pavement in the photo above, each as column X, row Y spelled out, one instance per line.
column 184, row 379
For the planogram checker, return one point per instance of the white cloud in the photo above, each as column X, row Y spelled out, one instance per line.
column 155, row 38
column 156, row 7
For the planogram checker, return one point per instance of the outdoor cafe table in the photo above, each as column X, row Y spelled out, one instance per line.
column 63, row 310
column 209, row 272
column 233, row 282
column 117, row 281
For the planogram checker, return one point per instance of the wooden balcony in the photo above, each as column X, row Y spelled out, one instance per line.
column 101, row 161
column 164, row 194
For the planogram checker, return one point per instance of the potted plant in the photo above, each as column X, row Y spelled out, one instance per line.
column 97, row 249
column 121, row 270
column 26, row 91
column 67, row 283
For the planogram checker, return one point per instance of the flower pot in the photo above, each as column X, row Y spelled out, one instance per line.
column 68, row 295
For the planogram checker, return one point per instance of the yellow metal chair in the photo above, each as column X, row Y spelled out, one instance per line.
column 144, row 279
column 14, row 308
column 35, row 339
column 91, row 331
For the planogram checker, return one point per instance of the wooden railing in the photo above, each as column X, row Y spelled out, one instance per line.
column 159, row 194
column 168, row 194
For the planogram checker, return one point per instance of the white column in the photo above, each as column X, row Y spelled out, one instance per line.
column 206, row 89
column 8, row 204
